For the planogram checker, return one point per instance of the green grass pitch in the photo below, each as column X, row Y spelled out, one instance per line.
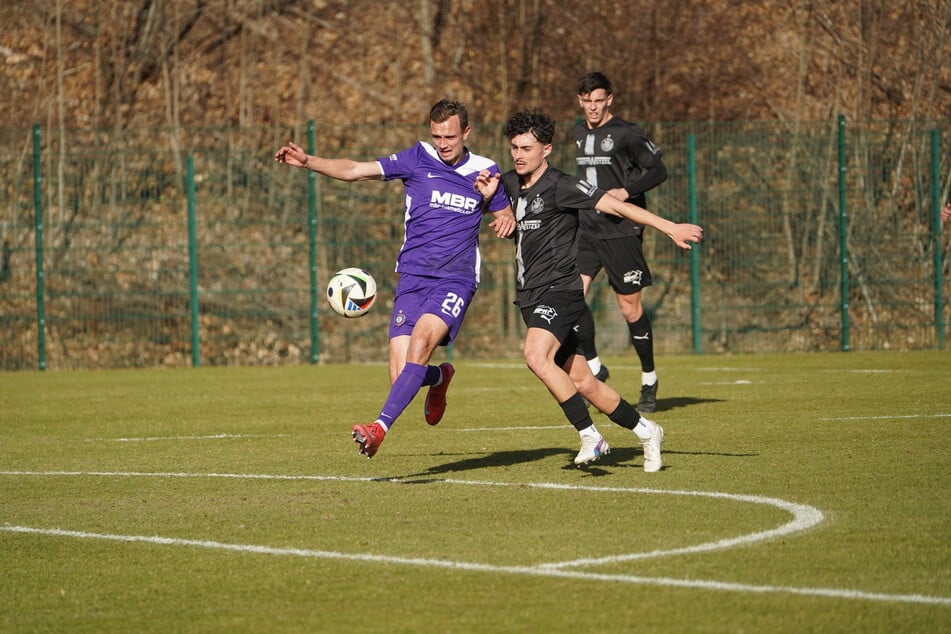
column 801, row 493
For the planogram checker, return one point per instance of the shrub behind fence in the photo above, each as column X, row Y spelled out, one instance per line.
column 787, row 209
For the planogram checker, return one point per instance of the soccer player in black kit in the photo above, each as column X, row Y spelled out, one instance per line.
column 549, row 291
column 617, row 156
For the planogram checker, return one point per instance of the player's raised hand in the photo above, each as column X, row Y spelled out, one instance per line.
column 291, row 154
column 684, row 233
column 487, row 183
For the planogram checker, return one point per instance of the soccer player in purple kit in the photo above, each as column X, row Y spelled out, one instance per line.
column 438, row 264
column 549, row 290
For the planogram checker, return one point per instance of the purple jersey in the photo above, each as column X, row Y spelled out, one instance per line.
column 443, row 211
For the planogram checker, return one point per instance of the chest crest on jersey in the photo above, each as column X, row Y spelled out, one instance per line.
column 536, row 206
column 607, row 143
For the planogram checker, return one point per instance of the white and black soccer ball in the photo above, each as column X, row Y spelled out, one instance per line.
column 351, row 292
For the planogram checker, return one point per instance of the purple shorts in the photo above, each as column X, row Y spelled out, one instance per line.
column 448, row 299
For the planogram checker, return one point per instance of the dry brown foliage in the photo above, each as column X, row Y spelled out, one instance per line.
column 119, row 64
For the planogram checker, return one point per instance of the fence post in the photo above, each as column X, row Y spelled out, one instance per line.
column 193, row 262
column 843, row 241
column 312, row 247
column 936, row 235
column 38, row 233
column 695, row 250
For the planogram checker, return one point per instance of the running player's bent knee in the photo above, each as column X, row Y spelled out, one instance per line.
column 537, row 362
column 586, row 386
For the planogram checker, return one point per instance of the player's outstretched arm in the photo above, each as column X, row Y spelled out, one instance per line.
column 341, row 169
column 681, row 233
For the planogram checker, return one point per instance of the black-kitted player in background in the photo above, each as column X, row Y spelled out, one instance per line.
column 617, row 156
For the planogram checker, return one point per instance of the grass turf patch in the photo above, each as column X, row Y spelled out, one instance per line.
column 448, row 528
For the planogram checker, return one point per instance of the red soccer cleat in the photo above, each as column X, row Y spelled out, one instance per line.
column 436, row 396
column 369, row 437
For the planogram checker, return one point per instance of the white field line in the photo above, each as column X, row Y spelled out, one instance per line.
column 804, row 517
column 862, row 370
column 233, row 436
column 894, row 416
column 208, row 437
column 498, row 365
column 474, row 567
column 715, row 369
column 521, row 428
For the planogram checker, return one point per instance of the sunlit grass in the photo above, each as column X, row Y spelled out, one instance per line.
column 263, row 458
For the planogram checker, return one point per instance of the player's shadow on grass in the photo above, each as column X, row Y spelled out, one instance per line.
column 620, row 458
column 495, row 459
column 666, row 404
column 633, row 456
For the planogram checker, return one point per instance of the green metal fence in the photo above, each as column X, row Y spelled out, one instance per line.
column 143, row 247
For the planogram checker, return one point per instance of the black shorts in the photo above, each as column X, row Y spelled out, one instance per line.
column 558, row 312
column 622, row 258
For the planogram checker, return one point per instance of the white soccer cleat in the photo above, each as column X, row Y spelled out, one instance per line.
column 652, row 458
column 591, row 450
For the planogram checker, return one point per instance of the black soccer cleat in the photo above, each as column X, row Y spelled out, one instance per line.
column 603, row 374
column 648, row 402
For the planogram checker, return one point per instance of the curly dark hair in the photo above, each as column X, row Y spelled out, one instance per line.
column 537, row 122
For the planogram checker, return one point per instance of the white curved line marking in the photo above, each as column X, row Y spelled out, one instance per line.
column 536, row 571
column 803, row 517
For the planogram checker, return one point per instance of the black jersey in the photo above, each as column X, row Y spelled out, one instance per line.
column 611, row 156
column 546, row 231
